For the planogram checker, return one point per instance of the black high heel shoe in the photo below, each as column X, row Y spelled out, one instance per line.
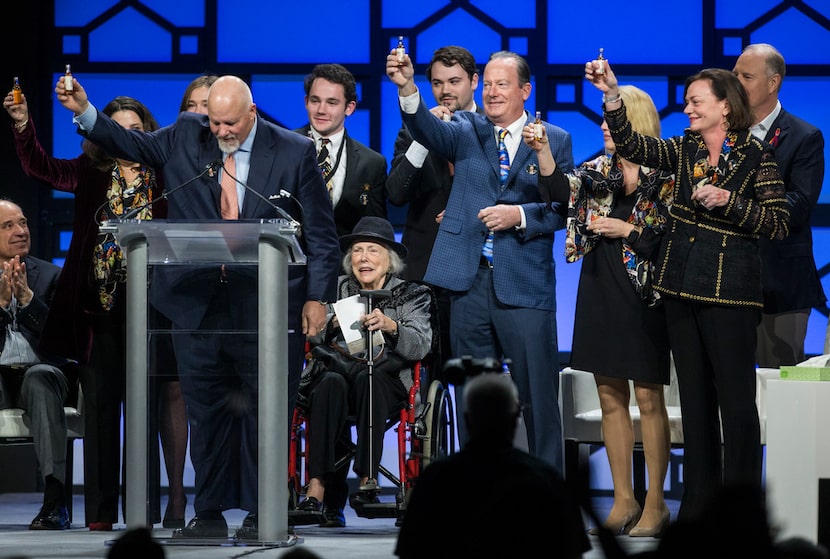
column 173, row 523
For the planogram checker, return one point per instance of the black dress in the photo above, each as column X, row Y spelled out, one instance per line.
column 615, row 333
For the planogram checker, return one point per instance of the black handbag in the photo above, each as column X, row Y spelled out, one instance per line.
column 331, row 357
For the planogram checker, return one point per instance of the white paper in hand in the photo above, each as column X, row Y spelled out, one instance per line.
column 349, row 311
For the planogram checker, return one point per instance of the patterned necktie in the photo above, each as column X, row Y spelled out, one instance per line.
column 504, row 170
column 324, row 162
column 504, row 158
column 229, row 203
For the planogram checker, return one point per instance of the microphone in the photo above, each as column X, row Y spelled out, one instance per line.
column 285, row 194
column 209, row 168
column 282, row 213
column 374, row 295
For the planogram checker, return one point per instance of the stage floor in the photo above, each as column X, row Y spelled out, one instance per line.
column 361, row 538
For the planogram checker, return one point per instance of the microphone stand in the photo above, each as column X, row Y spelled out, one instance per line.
column 371, row 483
column 282, row 213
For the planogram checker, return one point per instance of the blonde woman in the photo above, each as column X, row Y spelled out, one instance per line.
column 617, row 214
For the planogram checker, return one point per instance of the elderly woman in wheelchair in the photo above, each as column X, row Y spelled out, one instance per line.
column 339, row 384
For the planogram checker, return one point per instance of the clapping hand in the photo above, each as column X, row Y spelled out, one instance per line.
column 13, row 282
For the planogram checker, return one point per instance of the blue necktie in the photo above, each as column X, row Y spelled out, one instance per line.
column 504, row 169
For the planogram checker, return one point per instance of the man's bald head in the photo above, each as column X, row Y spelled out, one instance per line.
column 231, row 112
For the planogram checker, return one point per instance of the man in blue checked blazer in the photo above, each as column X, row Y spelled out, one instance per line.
column 505, row 308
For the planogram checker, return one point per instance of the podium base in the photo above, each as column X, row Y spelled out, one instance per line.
column 290, row 541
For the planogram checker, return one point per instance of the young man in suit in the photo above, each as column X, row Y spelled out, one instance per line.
column 422, row 178
column 494, row 248
column 27, row 380
column 219, row 373
column 354, row 173
column 791, row 283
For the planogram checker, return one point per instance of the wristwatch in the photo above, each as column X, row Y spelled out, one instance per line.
column 633, row 236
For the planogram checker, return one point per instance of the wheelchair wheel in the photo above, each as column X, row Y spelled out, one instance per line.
column 439, row 419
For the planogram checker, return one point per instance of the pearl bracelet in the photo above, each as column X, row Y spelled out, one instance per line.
column 611, row 99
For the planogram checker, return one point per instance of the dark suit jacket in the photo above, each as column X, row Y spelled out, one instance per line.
column 426, row 190
column 788, row 270
column 364, row 192
column 280, row 160
column 42, row 277
column 523, row 266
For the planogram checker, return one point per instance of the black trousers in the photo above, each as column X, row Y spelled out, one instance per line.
column 332, row 401
column 103, row 381
column 218, row 374
column 714, row 353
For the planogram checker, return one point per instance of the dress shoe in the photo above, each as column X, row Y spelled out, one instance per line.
column 333, row 518
column 51, row 517
column 309, row 511
column 655, row 531
column 623, row 526
column 203, row 528
column 100, row 526
column 172, row 523
column 362, row 497
column 249, row 529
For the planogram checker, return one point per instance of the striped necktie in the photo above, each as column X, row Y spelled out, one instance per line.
column 324, row 162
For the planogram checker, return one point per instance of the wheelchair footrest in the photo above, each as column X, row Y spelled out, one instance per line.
column 379, row 510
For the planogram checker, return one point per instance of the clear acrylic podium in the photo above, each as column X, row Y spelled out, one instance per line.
column 269, row 247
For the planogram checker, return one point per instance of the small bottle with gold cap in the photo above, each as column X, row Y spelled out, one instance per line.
column 68, row 84
column 600, row 62
column 537, row 126
column 17, row 93
column 400, row 50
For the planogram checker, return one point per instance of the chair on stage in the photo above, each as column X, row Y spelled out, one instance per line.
column 14, row 431
column 582, row 422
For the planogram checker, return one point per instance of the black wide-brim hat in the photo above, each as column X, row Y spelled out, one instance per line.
column 373, row 230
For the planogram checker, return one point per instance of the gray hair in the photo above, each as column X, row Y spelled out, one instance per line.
column 396, row 264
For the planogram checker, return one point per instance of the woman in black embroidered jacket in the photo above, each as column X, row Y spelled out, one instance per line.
column 728, row 193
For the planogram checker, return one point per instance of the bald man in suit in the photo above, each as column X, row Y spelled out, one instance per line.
column 219, row 373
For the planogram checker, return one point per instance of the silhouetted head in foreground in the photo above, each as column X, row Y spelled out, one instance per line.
column 491, row 407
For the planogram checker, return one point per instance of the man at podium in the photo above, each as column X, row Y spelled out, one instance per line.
column 256, row 163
